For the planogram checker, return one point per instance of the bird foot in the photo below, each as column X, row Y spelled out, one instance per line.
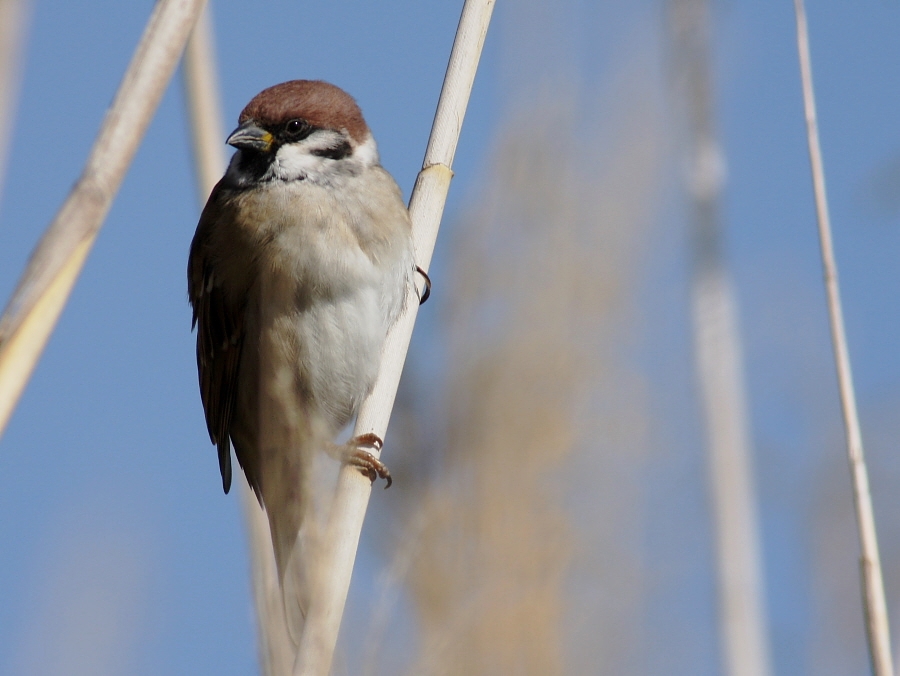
column 352, row 454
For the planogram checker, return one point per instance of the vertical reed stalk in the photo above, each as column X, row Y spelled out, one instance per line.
column 875, row 607
column 426, row 207
column 718, row 356
column 201, row 86
column 13, row 26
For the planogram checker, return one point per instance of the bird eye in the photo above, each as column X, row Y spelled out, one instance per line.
column 295, row 127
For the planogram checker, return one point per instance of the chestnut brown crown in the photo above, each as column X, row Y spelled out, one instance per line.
column 319, row 103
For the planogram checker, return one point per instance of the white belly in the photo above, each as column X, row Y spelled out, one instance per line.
column 333, row 351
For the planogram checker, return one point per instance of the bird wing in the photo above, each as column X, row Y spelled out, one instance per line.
column 219, row 320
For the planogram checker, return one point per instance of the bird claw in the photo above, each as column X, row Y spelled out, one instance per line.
column 427, row 291
column 365, row 462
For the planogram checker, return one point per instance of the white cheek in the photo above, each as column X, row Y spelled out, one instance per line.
column 299, row 160
column 293, row 161
column 366, row 153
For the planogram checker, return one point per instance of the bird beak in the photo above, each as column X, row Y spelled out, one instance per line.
column 248, row 135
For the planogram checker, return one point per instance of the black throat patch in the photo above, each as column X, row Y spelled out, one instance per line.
column 252, row 166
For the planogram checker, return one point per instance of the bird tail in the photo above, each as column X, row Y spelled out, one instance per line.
column 274, row 635
column 296, row 505
column 281, row 594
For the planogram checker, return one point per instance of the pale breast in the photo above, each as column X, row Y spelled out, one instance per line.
column 327, row 297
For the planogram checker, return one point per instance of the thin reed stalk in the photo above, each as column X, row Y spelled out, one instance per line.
column 276, row 651
column 426, row 208
column 874, row 605
column 201, row 87
column 13, row 27
column 718, row 357
column 54, row 266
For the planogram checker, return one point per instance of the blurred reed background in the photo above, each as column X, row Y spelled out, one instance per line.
column 536, row 473
column 518, row 542
column 551, row 510
column 560, row 522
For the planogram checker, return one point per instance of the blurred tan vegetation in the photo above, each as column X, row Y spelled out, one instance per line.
column 543, row 416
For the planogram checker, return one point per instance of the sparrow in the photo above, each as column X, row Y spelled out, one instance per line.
column 301, row 262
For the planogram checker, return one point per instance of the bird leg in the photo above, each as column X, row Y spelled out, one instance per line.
column 352, row 454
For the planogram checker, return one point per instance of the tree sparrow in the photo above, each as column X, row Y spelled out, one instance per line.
column 301, row 262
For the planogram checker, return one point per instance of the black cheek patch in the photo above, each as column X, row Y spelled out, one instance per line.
column 338, row 152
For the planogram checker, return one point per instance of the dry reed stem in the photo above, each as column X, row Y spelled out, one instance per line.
column 426, row 207
column 718, row 356
column 201, row 85
column 54, row 266
column 874, row 605
column 13, row 26
column 276, row 651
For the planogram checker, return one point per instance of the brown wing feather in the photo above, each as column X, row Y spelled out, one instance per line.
column 220, row 336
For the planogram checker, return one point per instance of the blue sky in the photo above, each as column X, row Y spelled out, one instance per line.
column 110, row 499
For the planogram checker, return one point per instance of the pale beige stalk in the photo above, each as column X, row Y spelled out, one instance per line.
column 54, row 266
column 13, row 26
column 426, row 207
column 875, row 607
column 201, row 86
column 276, row 651
column 718, row 356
